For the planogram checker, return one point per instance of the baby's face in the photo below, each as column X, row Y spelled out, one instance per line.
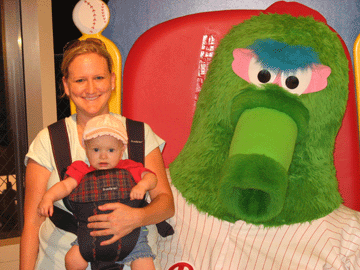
column 104, row 152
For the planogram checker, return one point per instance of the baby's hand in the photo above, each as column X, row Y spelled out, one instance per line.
column 45, row 208
column 137, row 192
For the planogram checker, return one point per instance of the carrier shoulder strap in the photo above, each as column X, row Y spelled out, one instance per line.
column 136, row 149
column 62, row 155
column 60, row 145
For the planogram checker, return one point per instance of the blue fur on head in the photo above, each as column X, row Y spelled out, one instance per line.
column 276, row 55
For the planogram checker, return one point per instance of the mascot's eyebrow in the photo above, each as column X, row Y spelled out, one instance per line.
column 276, row 55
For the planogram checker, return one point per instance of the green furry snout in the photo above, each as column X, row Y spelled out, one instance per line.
column 253, row 187
column 267, row 126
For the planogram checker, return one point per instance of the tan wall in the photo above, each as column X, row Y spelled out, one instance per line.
column 9, row 253
column 39, row 65
column 39, row 72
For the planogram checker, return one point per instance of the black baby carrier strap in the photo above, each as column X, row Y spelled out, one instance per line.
column 61, row 151
column 136, row 135
column 136, row 152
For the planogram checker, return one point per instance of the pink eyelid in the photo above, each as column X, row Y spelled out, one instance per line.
column 241, row 63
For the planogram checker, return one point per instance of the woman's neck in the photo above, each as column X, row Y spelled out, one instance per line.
column 81, row 121
column 80, row 130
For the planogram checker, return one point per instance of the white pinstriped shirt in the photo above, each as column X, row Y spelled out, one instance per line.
column 203, row 242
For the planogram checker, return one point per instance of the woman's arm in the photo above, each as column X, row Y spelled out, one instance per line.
column 125, row 219
column 58, row 191
column 36, row 179
column 162, row 201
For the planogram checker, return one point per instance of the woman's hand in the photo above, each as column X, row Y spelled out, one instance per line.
column 125, row 219
column 121, row 221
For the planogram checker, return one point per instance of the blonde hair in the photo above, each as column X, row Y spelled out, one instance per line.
column 79, row 47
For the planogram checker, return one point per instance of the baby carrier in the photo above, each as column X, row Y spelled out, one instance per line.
column 98, row 188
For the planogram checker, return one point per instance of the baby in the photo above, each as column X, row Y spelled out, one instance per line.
column 104, row 140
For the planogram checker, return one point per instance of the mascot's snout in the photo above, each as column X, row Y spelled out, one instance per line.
column 254, row 179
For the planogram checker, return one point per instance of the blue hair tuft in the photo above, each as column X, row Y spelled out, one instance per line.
column 276, row 55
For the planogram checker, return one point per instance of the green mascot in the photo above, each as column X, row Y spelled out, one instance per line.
column 255, row 184
column 261, row 140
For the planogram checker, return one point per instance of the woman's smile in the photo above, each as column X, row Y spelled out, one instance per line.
column 92, row 98
column 89, row 84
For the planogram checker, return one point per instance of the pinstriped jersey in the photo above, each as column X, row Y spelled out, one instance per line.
column 202, row 242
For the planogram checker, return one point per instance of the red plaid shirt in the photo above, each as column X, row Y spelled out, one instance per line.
column 78, row 169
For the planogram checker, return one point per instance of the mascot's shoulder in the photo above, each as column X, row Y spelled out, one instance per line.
column 336, row 235
column 344, row 217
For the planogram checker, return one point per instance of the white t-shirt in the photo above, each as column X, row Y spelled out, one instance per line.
column 202, row 242
column 54, row 242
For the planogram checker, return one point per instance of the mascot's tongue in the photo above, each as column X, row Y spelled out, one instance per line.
column 266, row 132
column 254, row 177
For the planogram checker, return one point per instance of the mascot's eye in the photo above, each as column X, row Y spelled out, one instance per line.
column 259, row 75
column 296, row 82
column 264, row 76
column 292, row 82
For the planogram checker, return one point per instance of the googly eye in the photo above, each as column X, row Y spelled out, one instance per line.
column 296, row 82
column 260, row 75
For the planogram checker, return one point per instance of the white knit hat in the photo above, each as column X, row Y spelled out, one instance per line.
column 105, row 124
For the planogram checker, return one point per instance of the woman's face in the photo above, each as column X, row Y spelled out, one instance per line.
column 89, row 84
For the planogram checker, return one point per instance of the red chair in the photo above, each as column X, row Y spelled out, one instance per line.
column 164, row 72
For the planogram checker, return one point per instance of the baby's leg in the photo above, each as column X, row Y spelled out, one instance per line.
column 74, row 260
column 143, row 263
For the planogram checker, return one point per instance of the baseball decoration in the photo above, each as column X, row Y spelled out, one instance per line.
column 91, row 16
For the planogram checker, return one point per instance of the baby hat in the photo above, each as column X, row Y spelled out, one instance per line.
column 105, row 124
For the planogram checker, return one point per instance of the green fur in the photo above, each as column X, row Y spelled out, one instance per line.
column 312, row 185
column 261, row 191
column 273, row 98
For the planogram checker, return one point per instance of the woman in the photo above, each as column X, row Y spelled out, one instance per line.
column 88, row 81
